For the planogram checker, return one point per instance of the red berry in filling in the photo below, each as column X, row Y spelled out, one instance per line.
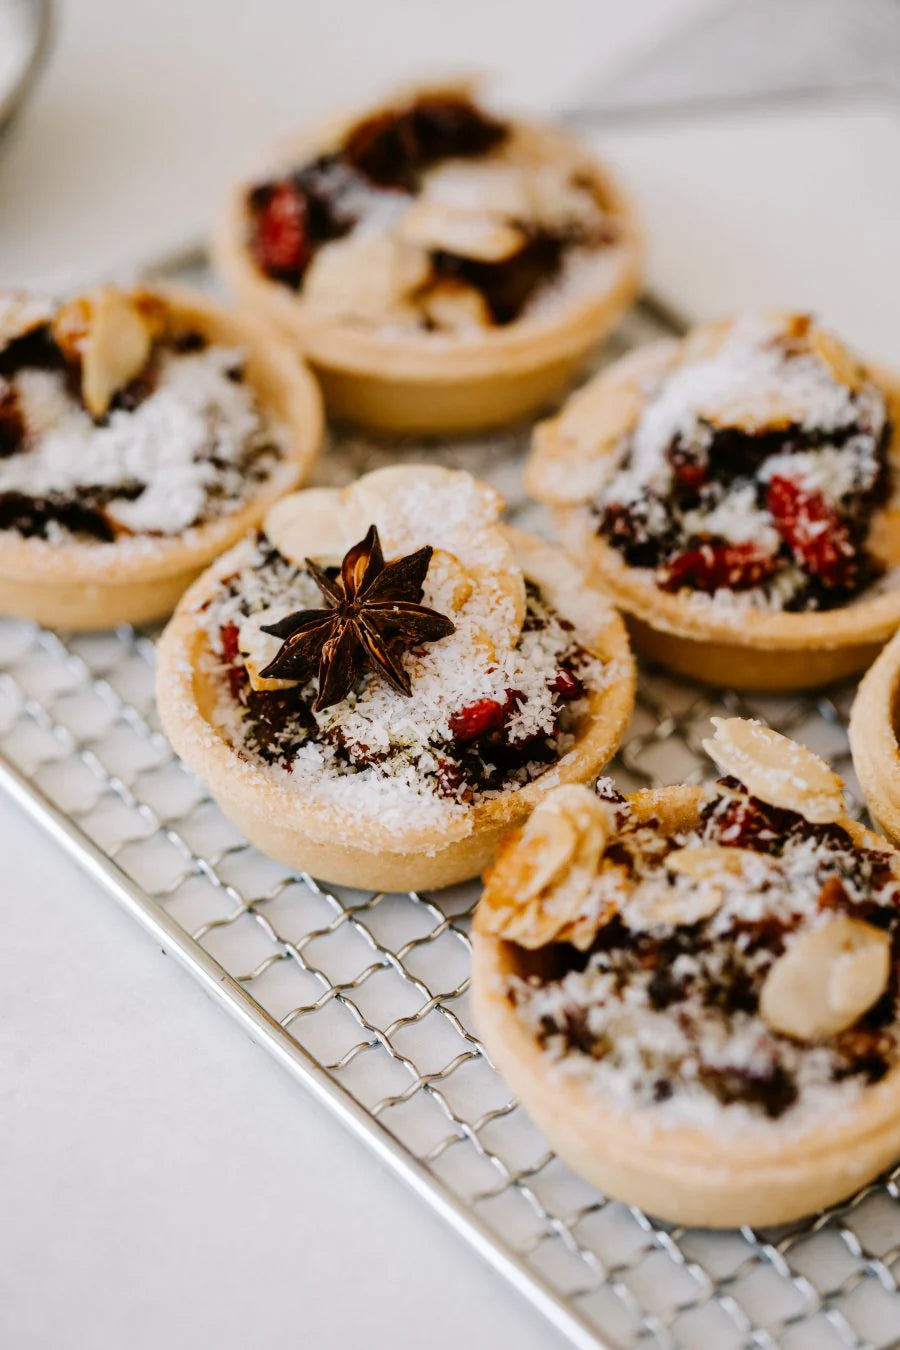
column 712, row 567
column 484, row 716
column 281, row 245
column 566, row 685
column 237, row 675
column 813, row 530
column 477, row 719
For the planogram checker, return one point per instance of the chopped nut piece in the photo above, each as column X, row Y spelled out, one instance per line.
column 776, row 769
column 656, row 905
column 702, row 861
column 453, row 305
column 538, row 890
column 827, row 979
column 369, row 275
column 468, row 234
column 109, row 334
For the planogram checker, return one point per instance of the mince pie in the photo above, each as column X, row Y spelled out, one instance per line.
column 381, row 680
column 141, row 432
column 874, row 725
column 738, row 494
column 443, row 268
column 694, row 991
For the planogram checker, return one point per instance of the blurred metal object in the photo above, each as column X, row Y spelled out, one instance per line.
column 26, row 28
column 740, row 54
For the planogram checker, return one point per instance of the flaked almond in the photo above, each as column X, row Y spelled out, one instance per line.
column 705, row 341
column 109, row 335
column 452, row 305
column 320, row 523
column 21, row 314
column 369, row 275
column 471, row 234
column 841, row 364
column 826, row 979
column 540, row 885
column 776, row 769
column 657, row 904
column 702, row 861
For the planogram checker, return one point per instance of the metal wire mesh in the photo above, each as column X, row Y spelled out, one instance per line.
column 365, row 995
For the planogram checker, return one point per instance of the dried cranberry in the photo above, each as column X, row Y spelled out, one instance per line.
column 566, row 685
column 231, row 658
column 713, row 567
column 476, row 719
column 484, row 716
column 812, row 528
column 281, row 244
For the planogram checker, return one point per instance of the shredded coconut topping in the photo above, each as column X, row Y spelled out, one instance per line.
column 192, row 448
column 753, row 449
column 664, row 1015
column 419, row 759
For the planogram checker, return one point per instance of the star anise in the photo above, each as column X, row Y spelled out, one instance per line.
column 373, row 616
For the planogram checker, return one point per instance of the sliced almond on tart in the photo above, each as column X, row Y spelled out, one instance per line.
column 539, row 888
column 703, row 861
column 826, row 979
column 841, row 364
column 110, row 335
column 472, row 234
column 368, row 275
column 776, row 769
column 657, row 904
column 454, row 306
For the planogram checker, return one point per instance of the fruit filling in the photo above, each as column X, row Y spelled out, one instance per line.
column 754, row 469
column 429, row 215
column 416, row 712
column 111, row 426
column 749, row 964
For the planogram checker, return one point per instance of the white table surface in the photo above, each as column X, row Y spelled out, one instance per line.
column 163, row 1182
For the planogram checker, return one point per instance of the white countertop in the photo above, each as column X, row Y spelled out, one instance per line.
column 163, row 1182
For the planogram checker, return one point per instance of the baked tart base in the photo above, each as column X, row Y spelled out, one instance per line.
column 71, row 583
column 873, row 739
column 474, row 375
column 409, row 842
column 721, row 636
column 708, row 1169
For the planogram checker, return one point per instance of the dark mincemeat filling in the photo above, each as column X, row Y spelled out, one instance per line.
column 80, row 511
column 293, row 216
column 824, row 539
column 866, row 1051
column 480, row 756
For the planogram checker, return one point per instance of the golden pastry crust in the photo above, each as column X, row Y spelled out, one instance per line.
column 873, row 739
column 687, row 1175
column 447, row 382
column 362, row 851
column 83, row 586
column 745, row 647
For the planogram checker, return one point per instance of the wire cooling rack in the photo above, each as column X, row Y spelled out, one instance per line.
column 363, row 997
